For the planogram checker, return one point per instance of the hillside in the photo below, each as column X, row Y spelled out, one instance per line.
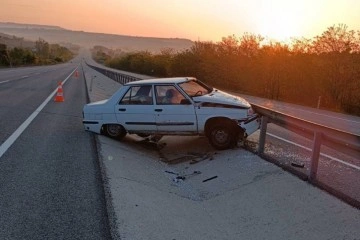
column 13, row 41
column 53, row 34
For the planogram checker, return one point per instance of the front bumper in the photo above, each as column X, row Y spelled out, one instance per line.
column 250, row 125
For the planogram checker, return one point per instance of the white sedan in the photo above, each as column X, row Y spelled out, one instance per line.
column 172, row 106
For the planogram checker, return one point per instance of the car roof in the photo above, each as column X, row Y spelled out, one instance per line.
column 161, row 80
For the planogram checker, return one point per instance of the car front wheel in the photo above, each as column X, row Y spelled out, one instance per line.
column 115, row 131
column 221, row 136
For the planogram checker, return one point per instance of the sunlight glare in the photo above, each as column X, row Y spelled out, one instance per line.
column 280, row 21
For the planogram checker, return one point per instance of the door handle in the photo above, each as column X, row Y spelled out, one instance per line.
column 122, row 109
column 158, row 110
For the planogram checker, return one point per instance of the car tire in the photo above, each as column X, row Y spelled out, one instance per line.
column 222, row 136
column 115, row 131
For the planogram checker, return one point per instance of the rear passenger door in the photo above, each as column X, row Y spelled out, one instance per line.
column 135, row 111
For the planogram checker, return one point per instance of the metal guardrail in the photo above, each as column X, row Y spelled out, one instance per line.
column 342, row 141
column 118, row 77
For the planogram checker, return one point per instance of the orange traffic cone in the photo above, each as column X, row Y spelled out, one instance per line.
column 59, row 94
column 77, row 73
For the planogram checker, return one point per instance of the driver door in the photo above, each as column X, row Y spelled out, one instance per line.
column 176, row 114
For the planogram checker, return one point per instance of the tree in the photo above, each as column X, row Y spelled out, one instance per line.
column 273, row 72
column 336, row 39
column 338, row 62
column 42, row 49
column 302, row 46
column 4, row 55
column 250, row 45
column 185, row 63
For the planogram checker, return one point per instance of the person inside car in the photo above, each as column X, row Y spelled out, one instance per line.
column 172, row 96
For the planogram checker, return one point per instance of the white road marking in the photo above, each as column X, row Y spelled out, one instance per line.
column 7, row 70
column 322, row 154
column 22, row 77
column 7, row 144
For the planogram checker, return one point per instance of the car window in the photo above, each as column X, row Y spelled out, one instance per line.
column 140, row 95
column 195, row 88
column 168, row 95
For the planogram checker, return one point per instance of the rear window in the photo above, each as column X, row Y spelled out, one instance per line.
column 138, row 95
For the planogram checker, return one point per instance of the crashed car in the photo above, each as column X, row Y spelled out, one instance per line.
column 173, row 106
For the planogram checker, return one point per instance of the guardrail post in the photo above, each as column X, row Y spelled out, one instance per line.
column 315, row 155
column 263, row 127
column 91, row 82
column 319, row 102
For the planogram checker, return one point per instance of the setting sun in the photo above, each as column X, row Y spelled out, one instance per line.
column 279, row 25
column 280, row 20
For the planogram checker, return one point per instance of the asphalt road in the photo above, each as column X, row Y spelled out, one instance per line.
column 50, row 181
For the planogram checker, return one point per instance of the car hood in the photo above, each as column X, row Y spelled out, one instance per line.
column 220, row 97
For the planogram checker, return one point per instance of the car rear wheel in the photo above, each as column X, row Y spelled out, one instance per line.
column 115, row 131
column 221, row 136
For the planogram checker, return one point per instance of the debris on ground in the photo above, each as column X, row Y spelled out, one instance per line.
column 209, row 156
column 153, row 145
column 297, row 164
column 208, row 179
column 191, row 157
column 183, row 176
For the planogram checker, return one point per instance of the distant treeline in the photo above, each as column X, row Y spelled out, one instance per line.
column 41, row 53
column 326, row 67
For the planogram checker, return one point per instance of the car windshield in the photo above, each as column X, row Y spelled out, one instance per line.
column 195, row 88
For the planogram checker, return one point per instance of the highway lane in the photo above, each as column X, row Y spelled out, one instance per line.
column 13, row 74
column 50, row 180
column 22, row 91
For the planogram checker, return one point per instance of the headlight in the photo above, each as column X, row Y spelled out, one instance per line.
column 250, row 111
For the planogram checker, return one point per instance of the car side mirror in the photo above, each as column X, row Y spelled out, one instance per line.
column 185, row 101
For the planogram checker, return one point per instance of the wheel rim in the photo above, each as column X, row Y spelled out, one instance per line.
column 114, row 130
column 221, row 136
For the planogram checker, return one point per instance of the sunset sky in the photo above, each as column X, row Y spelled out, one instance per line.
column 204, row 20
